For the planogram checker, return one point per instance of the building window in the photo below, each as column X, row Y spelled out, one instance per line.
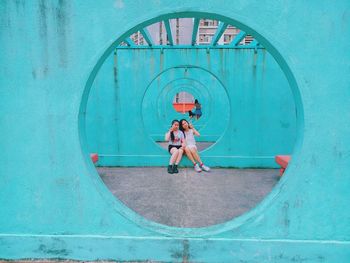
column 227, row 38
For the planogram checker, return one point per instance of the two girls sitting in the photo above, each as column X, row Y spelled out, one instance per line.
column 181, row 139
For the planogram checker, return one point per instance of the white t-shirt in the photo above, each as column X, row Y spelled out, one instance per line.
column 178, row 137
column 189, row 136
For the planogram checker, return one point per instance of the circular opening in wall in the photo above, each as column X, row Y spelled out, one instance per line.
column 186, row 100
column 205, row 87
column 246, row 101
column 183, row 103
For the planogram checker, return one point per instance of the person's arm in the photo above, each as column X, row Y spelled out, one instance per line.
column 183, row 141
column 195, row 132
column 167, row 134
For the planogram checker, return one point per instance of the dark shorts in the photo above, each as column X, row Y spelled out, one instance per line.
column 198, row 112
column 172, row 146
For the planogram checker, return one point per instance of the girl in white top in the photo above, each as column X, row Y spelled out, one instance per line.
column 191, row 148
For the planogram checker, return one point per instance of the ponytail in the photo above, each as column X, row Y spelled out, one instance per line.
column 182, row 128
column 172, row 136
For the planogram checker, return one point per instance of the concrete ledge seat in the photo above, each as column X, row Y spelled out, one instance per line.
column 94, row 157
column 283, row 161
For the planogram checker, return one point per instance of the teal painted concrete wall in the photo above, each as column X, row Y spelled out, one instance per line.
column 248, row 106
column 53, row 204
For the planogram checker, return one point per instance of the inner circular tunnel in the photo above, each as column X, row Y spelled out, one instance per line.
column 249, row 103
column 164, row 88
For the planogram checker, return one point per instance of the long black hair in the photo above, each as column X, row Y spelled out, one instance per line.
column 172, row 136
column 182, row 128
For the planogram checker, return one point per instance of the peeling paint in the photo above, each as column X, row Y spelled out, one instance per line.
column 63, row 30
column 43, row 32
column 286, row 217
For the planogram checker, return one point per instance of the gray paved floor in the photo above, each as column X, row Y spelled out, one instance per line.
column 71, row 261
column 189, row 199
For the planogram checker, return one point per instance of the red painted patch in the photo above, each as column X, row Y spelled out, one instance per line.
column 94, row 157
column 283, row 161
column 183, row 107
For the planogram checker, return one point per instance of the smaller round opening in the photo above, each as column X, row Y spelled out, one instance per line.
column 183, row 102
column 187, row 103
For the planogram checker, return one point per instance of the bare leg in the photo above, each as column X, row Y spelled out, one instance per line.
column 196, row 155
column 174, row 154
column 189, row 155
column 179, row 156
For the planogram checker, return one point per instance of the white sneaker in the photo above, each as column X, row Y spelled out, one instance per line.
column 197, row 168
column 205, row 168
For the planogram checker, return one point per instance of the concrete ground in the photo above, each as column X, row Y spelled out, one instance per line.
column 72, row 261
column 189, row 199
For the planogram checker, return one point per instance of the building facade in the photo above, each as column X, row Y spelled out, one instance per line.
column 182, row 28
column 207, row 29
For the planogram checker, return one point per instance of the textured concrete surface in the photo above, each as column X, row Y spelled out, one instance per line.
column 72, row 261
column 51, row 204
column 189, row 199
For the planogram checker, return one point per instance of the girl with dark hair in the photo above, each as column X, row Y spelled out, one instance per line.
column 198, row 111
column 176, row 146
column 191, row 148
